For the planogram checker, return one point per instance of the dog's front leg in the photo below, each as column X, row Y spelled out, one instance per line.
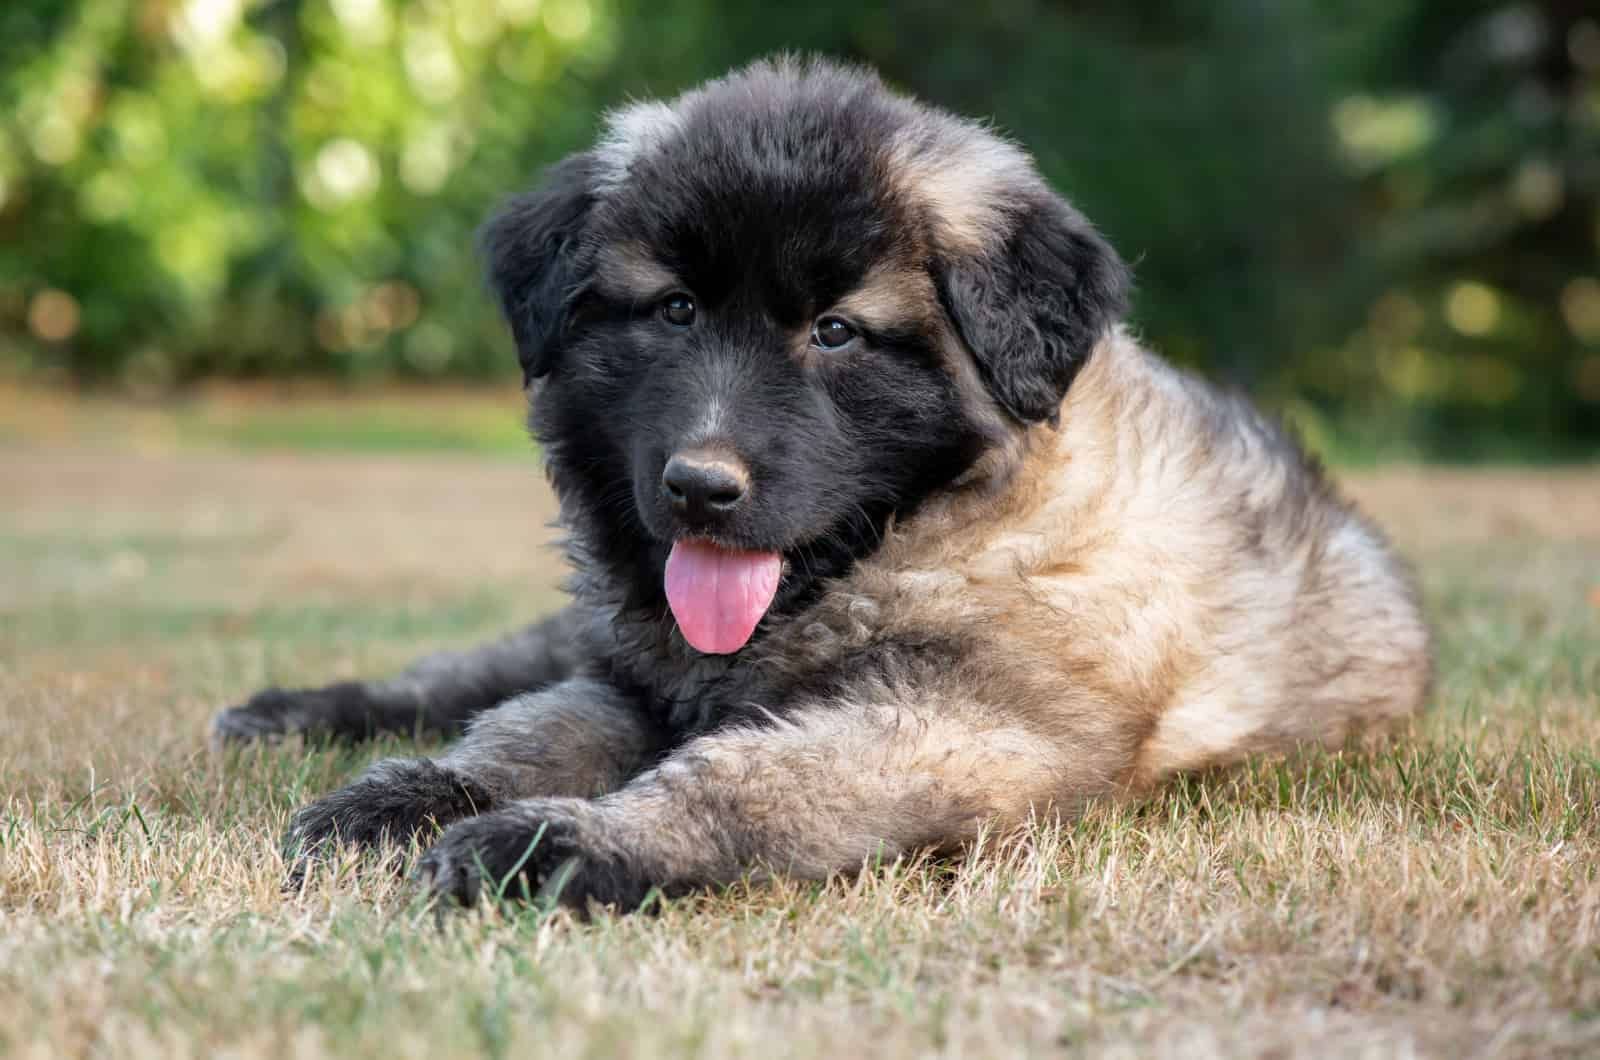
column 437, row 695
column 823, row 791
column 578, row 738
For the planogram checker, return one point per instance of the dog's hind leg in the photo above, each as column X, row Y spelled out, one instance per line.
column 435, row 696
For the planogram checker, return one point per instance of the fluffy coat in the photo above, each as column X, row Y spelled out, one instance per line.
column 1026, row 563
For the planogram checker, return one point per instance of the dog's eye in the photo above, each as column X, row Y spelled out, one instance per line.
column 830, row 333
column 678, row 310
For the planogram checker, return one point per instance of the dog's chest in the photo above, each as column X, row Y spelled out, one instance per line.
column 854, row 636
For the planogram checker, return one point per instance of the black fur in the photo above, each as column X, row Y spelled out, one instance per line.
column 435, row 697
column 520, row 856
column 766, row 223
column 391, row 803
column 1032, row 312
column 349, row 711
column 531, row 248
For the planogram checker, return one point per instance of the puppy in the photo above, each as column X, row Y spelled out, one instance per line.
column 883, row 527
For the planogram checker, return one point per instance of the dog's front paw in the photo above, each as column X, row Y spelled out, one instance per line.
column 343, row 711
column 392, row 802
column 268, row 715
column 531, row 851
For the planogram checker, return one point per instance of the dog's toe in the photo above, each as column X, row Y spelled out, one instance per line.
column 509, row 856
column 394, row 801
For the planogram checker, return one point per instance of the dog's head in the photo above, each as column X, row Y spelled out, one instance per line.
column 760, row 319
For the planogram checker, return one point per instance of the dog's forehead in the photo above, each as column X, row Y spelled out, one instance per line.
column 789, row 161
column 726, row 232
column 725, row 186
column 768, row 117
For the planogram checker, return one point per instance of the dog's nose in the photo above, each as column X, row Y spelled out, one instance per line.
column 703, row 485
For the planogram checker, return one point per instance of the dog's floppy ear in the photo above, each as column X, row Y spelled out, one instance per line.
column 531, row 247
column 1032, row 307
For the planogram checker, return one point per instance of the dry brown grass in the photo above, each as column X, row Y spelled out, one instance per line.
column 1441, row 897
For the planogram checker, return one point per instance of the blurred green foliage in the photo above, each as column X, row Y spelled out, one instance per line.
column 1384, row 212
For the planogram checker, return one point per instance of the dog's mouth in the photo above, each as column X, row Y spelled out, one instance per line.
column 719, row 595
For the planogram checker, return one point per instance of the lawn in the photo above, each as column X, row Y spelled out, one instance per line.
column 1438, row 897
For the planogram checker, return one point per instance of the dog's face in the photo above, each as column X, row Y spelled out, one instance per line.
column 762, row 319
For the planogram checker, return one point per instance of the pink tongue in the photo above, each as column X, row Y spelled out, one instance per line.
column 718, row 595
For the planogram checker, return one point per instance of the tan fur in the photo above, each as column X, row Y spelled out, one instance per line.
column 629, row 271
column 1126, row 616
column 836, row 786
column 889, row 295
column 964, row 174
column 1155, row 586
column 1125, row 620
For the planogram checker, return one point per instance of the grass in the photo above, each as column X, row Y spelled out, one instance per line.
column 300, row 416
column 1440, row 896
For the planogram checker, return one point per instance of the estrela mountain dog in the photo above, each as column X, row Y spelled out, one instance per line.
column 883, row 527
